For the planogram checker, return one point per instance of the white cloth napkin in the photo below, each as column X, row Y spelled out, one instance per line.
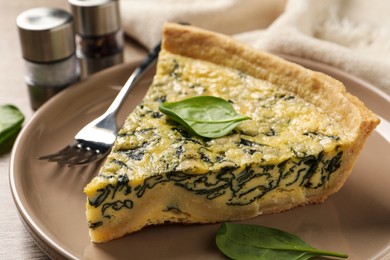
column 143, row 19
column 353, row 35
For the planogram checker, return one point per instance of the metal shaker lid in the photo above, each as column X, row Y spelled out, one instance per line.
column 95, row 17
column 46, row 34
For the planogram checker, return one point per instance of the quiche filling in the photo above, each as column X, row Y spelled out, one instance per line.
column 289, row 154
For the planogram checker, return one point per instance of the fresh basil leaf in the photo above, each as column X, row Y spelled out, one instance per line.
column 244, row 242
column 11, row 120
column 205, row 116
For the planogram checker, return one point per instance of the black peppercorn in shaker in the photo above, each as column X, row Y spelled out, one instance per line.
column 99, row 35
column 48, row 48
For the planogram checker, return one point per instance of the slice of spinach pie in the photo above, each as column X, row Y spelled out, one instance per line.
column 298, row 148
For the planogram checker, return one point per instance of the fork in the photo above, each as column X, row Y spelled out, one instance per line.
column 95, row 139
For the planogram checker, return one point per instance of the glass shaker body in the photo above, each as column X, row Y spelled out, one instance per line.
column 99, row 36
column 44, row 80
column 99, row 52
column 48, row 48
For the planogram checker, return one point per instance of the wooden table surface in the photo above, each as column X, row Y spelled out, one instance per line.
column 16, row 242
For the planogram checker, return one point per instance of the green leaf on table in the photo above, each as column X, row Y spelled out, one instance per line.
column 11, row 120
column 244, row 242
column 206, row 116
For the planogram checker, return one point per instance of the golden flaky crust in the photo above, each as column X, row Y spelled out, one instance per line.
column 323, row 91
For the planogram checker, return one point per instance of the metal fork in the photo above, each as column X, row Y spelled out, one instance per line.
column 95, row 140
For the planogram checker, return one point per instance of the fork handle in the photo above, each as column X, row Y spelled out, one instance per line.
column 137, row 73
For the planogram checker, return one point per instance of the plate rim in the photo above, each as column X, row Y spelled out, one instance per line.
column 43, row 241
column 51, row 247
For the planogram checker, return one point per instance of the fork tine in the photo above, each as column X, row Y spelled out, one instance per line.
column 70, row 159
column 85, row 157
column 74, row 155
column 61, row 153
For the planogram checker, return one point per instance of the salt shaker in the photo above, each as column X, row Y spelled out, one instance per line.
column 48, row 48
column 99, row 35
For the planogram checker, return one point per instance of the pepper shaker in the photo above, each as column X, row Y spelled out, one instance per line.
column 99, row 34
column 48, row 48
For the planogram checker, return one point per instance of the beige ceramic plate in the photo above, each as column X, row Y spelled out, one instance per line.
column 51, row 202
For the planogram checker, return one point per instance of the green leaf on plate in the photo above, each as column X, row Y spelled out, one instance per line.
column 206, row 116
column 11, row 120
column 244, row 242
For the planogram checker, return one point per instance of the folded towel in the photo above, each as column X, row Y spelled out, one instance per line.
column 143, row 19
column 353, row 35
